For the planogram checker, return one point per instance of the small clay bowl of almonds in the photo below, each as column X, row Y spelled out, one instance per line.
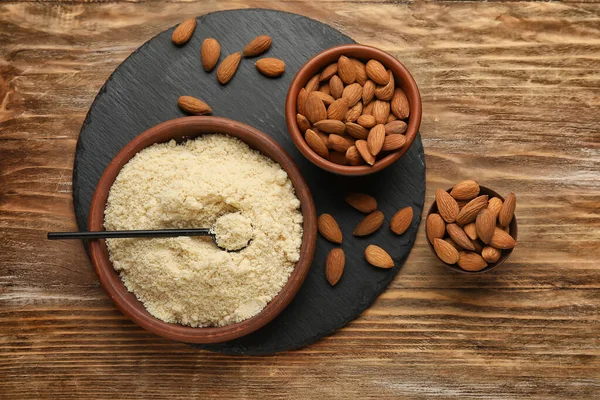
column 353, row 110
column 470, row 228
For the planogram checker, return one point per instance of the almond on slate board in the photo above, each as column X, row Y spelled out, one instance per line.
column 459, row 236
column 469, row 212
column 368, row 91
column 470, row 261
column 445, row 251
column 369, row 224
column 329, row 228
column 316, row 143
column 401, row 220
column 393, row 142
column 378, row 257
column 334, row 266
column 353, row 157
column 362, row 202
column 210, row 53
column 396, row 128
column 271, row 67
column 336, row 87
column 502, row 240
column 377, row 72
column 485, row 224
column 328, row 72
column 447, row 206
column 399, row 104
column 257, row 46
column 507, row 211
column 228, row 67
column 346, row 70
column 490, row 254
column 375, row 139
column 184, row 32
column 465, row 190
column 363, row 150
column 314, row 107
column 435, row 227
column 386, row 92
column 192, row 105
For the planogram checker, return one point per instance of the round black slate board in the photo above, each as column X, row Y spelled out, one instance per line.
column 143, row 92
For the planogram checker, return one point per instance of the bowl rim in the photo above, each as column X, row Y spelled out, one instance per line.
column 403, row 78
column 182, row 129
column 513, row 231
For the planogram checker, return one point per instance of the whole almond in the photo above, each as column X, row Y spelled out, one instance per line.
column 386, row 92
column 361, row 72
column 356, row 131
column 336, row 87
column 453, row 244
column 469, row 212
column 363, row 150
column 354, row 112
column 401, row 220
column 377, row 72
column 494, row 205
column 192, row 105
column 325, row 98
column 301, row 101
column 378, row 257
column 328, row 72
column 228, row 67
column 362, row 202
column 508, row 209
column 210, row 53
column 325, row 89
column 381, row 110
column 184, row 32
column 338, row 158
column 390, row 118
column 435, row 227
column 339, row 143
column 331, row 126
column 393, row 142
column 315, row 110
column 334, row 266
column 324, row 136
column 485, row 225
column 329, row 228
column 471, row 231
column 395, row 128
column 353, row 156
column 399, row 105
column 257, row 46
column 368, row 109
column 352, row 93
column 316, row 143
column 369, row 224
column 375, row 139
column 313, row 84
column 368, row 92
column 303, row 123
column 477, row 245
column 338, row 109
column 490, row 254
column 447, row 206
column 459, row 236
column 445, row 251
column 366, row 121
column 465, row 190
column 502, row 240
column 462, row 203
column 470, row 261
column 271, row 67
column 346, row 70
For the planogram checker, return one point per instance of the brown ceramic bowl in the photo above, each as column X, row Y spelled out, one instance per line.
column 364, row 53
column 505, row 253
column 181, row 129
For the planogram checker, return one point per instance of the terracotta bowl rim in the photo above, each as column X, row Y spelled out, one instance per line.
column 182, row 129
column 324, row 58
column 513, row 230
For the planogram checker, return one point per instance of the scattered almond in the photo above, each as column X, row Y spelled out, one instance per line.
column 210, row 53
column 485, row 225
column 395, row 127
column 490, row 254
column 334, row 266
column 192, row 105
column 445, row 251
column 184, row 32
column 378, row 257
column 393, row 142
column 271, row 67
column 400, row 105
column 502, row 240
column 362, row 202
column 228, row 67
column 435, row 227
column 386, row 92
column 336, row 87
column 329, row 228
column 257, row 46
column 369, row 224
column 315, row 110
column 401, row 220
column 470, row 261
column 328, row 72
column 447, row 206
column 338, row 110
column 377, row 72
column 361, row 146
column 459, row 236
column 316, row 144
column 508, row 210
column 375, row 139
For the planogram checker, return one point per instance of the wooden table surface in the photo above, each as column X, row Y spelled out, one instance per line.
column 511, row 93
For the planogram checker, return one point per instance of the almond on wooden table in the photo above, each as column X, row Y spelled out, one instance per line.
column 435, row 227
column 271, row 67
column 378, row 257
column 329, row 228
column 377, row 72
column 361, row 73
column 316, row 143
column 447, row 206
column 192, row 105
column 184, row 32
column 396, row 128
column 346, row 70
column 465, row 190
column 375, row 139
column 459, row 236
column 401, row 221
column 470, row 261
column 399, row 104
column 362, row 202
column 445, row 251
column 356, row 131
column 469, row 212
column 336, row 87
column 210, row 53
column 353, row 157
column 338, row 109
column 393, row 142
column 369, row 224
column 363, row 150
column 507, row 211
column 334, row 265
column 257, row 46
column 228, row 67
column 314, row 107
column 328, row 72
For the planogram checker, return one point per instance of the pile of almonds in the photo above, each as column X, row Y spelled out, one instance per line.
column 375, row 255
column 470, row 229
column 210, row 54
column 352, row 113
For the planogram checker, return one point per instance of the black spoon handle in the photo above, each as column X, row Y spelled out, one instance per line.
column 129, row 234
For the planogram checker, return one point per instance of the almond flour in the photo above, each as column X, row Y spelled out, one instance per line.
column 189, row 280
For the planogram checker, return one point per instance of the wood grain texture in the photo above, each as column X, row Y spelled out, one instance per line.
column 510, row 98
